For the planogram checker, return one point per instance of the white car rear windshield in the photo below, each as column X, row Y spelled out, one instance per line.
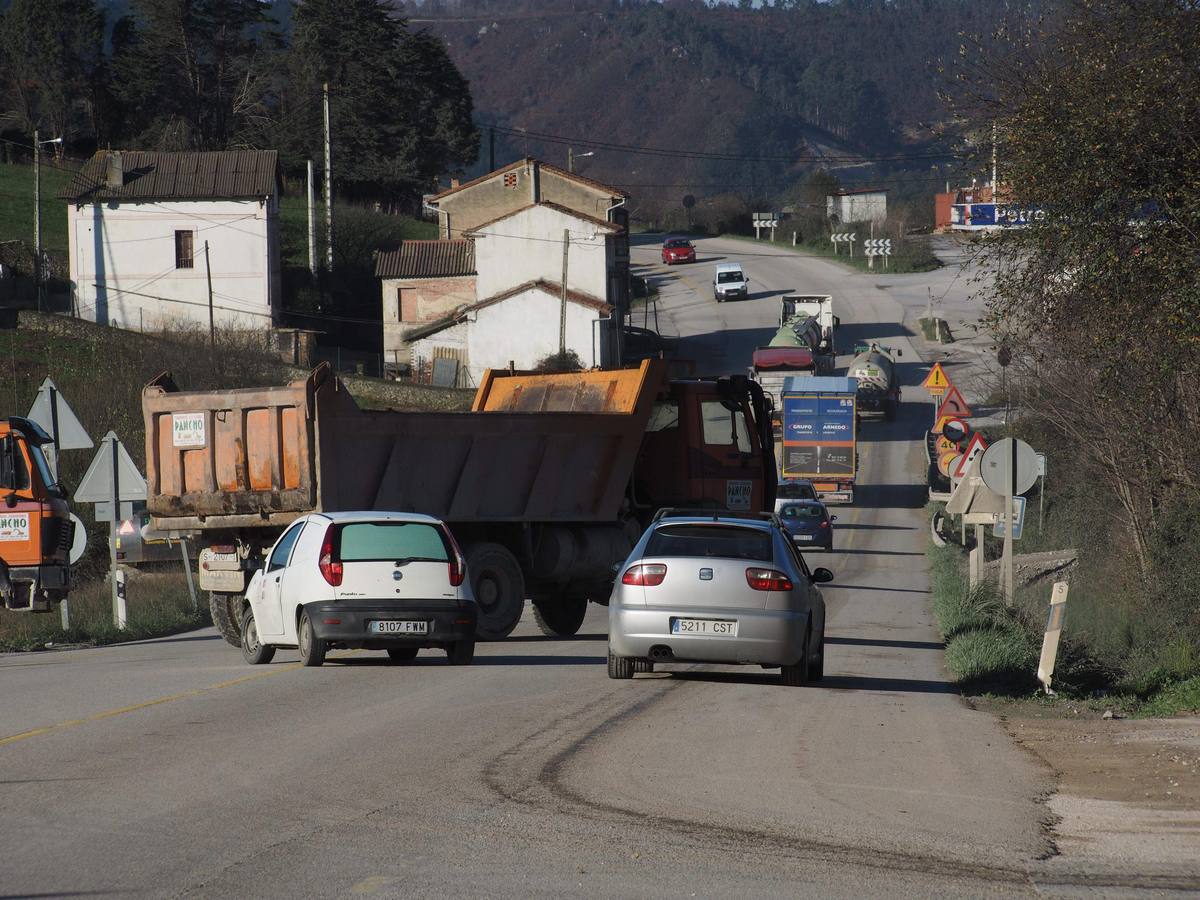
column 721, row 541
column 391, row 541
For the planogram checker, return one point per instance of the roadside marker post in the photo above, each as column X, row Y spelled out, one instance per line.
column 111, row 482
column 1054, row 625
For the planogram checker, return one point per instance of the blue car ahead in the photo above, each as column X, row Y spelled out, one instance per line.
column 808, row 522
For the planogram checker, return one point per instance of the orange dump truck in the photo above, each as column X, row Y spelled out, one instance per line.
column 35, row 521
column 546, row 483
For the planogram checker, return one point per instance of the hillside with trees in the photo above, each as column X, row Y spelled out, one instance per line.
column 741, row 98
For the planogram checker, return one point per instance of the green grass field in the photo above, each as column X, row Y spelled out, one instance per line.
column 16, row 206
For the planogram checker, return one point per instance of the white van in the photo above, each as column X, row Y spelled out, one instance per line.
column 730, row 283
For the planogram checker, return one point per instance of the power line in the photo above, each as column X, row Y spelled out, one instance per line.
column 705, row 155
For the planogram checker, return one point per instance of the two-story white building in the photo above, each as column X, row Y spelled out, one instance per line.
column 524, row 222
column 162, row 241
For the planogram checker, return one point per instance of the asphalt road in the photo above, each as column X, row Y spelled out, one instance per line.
column 168, row 768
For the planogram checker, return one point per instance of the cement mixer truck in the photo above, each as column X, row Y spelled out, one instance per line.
column 878, row 383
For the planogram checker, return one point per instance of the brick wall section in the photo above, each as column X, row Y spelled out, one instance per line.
column 431, row 299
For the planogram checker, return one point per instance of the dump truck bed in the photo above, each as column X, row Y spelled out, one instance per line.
column 262, row 457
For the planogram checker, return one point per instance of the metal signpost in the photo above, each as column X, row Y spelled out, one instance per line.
column 1009, row 467
column 51, row 410
column 111, row 481
column 765, row 220
column 843, row 237
column 877, row 247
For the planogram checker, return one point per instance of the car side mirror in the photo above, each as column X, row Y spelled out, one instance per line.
column 821, row 576
column 833, row 518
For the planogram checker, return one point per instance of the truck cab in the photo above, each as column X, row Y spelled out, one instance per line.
column 709, row 443
column 35, row 521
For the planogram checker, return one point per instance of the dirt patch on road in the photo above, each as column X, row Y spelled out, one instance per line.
column 1128, row 790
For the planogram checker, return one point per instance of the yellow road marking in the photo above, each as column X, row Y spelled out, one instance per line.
column 120, row 711
column 373, row 884
column 157, row 701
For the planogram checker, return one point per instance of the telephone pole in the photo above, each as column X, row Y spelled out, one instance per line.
column 212, row 325
column 312, row 224
column 562, row 314
column 328, row 189
column 37, row 218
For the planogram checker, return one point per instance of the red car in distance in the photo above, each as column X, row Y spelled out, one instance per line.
column 677, row 250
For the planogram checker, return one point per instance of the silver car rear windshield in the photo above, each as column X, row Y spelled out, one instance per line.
column 700, row 540
column 390, row 541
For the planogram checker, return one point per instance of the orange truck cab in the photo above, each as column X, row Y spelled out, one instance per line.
column 35, row 521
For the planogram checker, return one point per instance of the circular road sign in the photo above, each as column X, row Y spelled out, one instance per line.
column 947, row 462
column 79, row 542
column 996, row 462
column 955, row 430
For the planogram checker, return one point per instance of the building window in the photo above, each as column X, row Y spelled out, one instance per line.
column 183, row 249
column 406, row 304
column 510, row 179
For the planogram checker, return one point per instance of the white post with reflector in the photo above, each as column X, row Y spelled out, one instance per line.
column 1054, row 624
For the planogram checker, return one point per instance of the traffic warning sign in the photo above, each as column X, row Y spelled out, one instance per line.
column 954, row 404
column 936, row 381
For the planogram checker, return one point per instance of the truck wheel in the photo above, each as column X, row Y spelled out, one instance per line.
column 499, row 589
column 224, row 617
column 560, row 618
column 253, row 649
column 312, row 648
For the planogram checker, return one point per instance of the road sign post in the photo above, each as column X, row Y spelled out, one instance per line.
column 51, row 410
column 1009, row 467
column 112, row 479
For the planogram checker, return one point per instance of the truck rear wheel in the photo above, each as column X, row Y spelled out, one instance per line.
column 560, row 617
column 499, row 589
column 224, row 609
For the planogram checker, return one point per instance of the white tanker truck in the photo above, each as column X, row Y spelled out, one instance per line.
column 878, row 382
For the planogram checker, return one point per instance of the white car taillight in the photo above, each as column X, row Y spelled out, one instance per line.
column 330, row 566
column 645, row 575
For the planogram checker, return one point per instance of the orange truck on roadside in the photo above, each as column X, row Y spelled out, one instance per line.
column 35, row 521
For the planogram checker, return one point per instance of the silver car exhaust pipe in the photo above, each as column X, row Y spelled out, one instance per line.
column 661, row 653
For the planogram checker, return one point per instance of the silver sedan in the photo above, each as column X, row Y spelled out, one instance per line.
column 718, row 588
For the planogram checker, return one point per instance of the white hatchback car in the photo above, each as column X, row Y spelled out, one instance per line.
column 372, row 580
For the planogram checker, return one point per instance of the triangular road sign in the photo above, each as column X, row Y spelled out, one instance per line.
column 975, row 448
column 50, row 408
column 954, row 404
column 97, row 484
column 936, row 381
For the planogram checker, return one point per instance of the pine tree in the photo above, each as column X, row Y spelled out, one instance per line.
column 190, row 73
column 50, row 54
column 400, row 111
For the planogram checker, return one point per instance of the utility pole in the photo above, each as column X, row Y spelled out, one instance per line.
column 993, row 162
column 212, row 327
column 37, row 217
column 562, row 315
column 312, row 224
column 328, row 190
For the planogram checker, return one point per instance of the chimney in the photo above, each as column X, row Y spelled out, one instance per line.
column 453, row 183
column 535, row 181
column 115, row 173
